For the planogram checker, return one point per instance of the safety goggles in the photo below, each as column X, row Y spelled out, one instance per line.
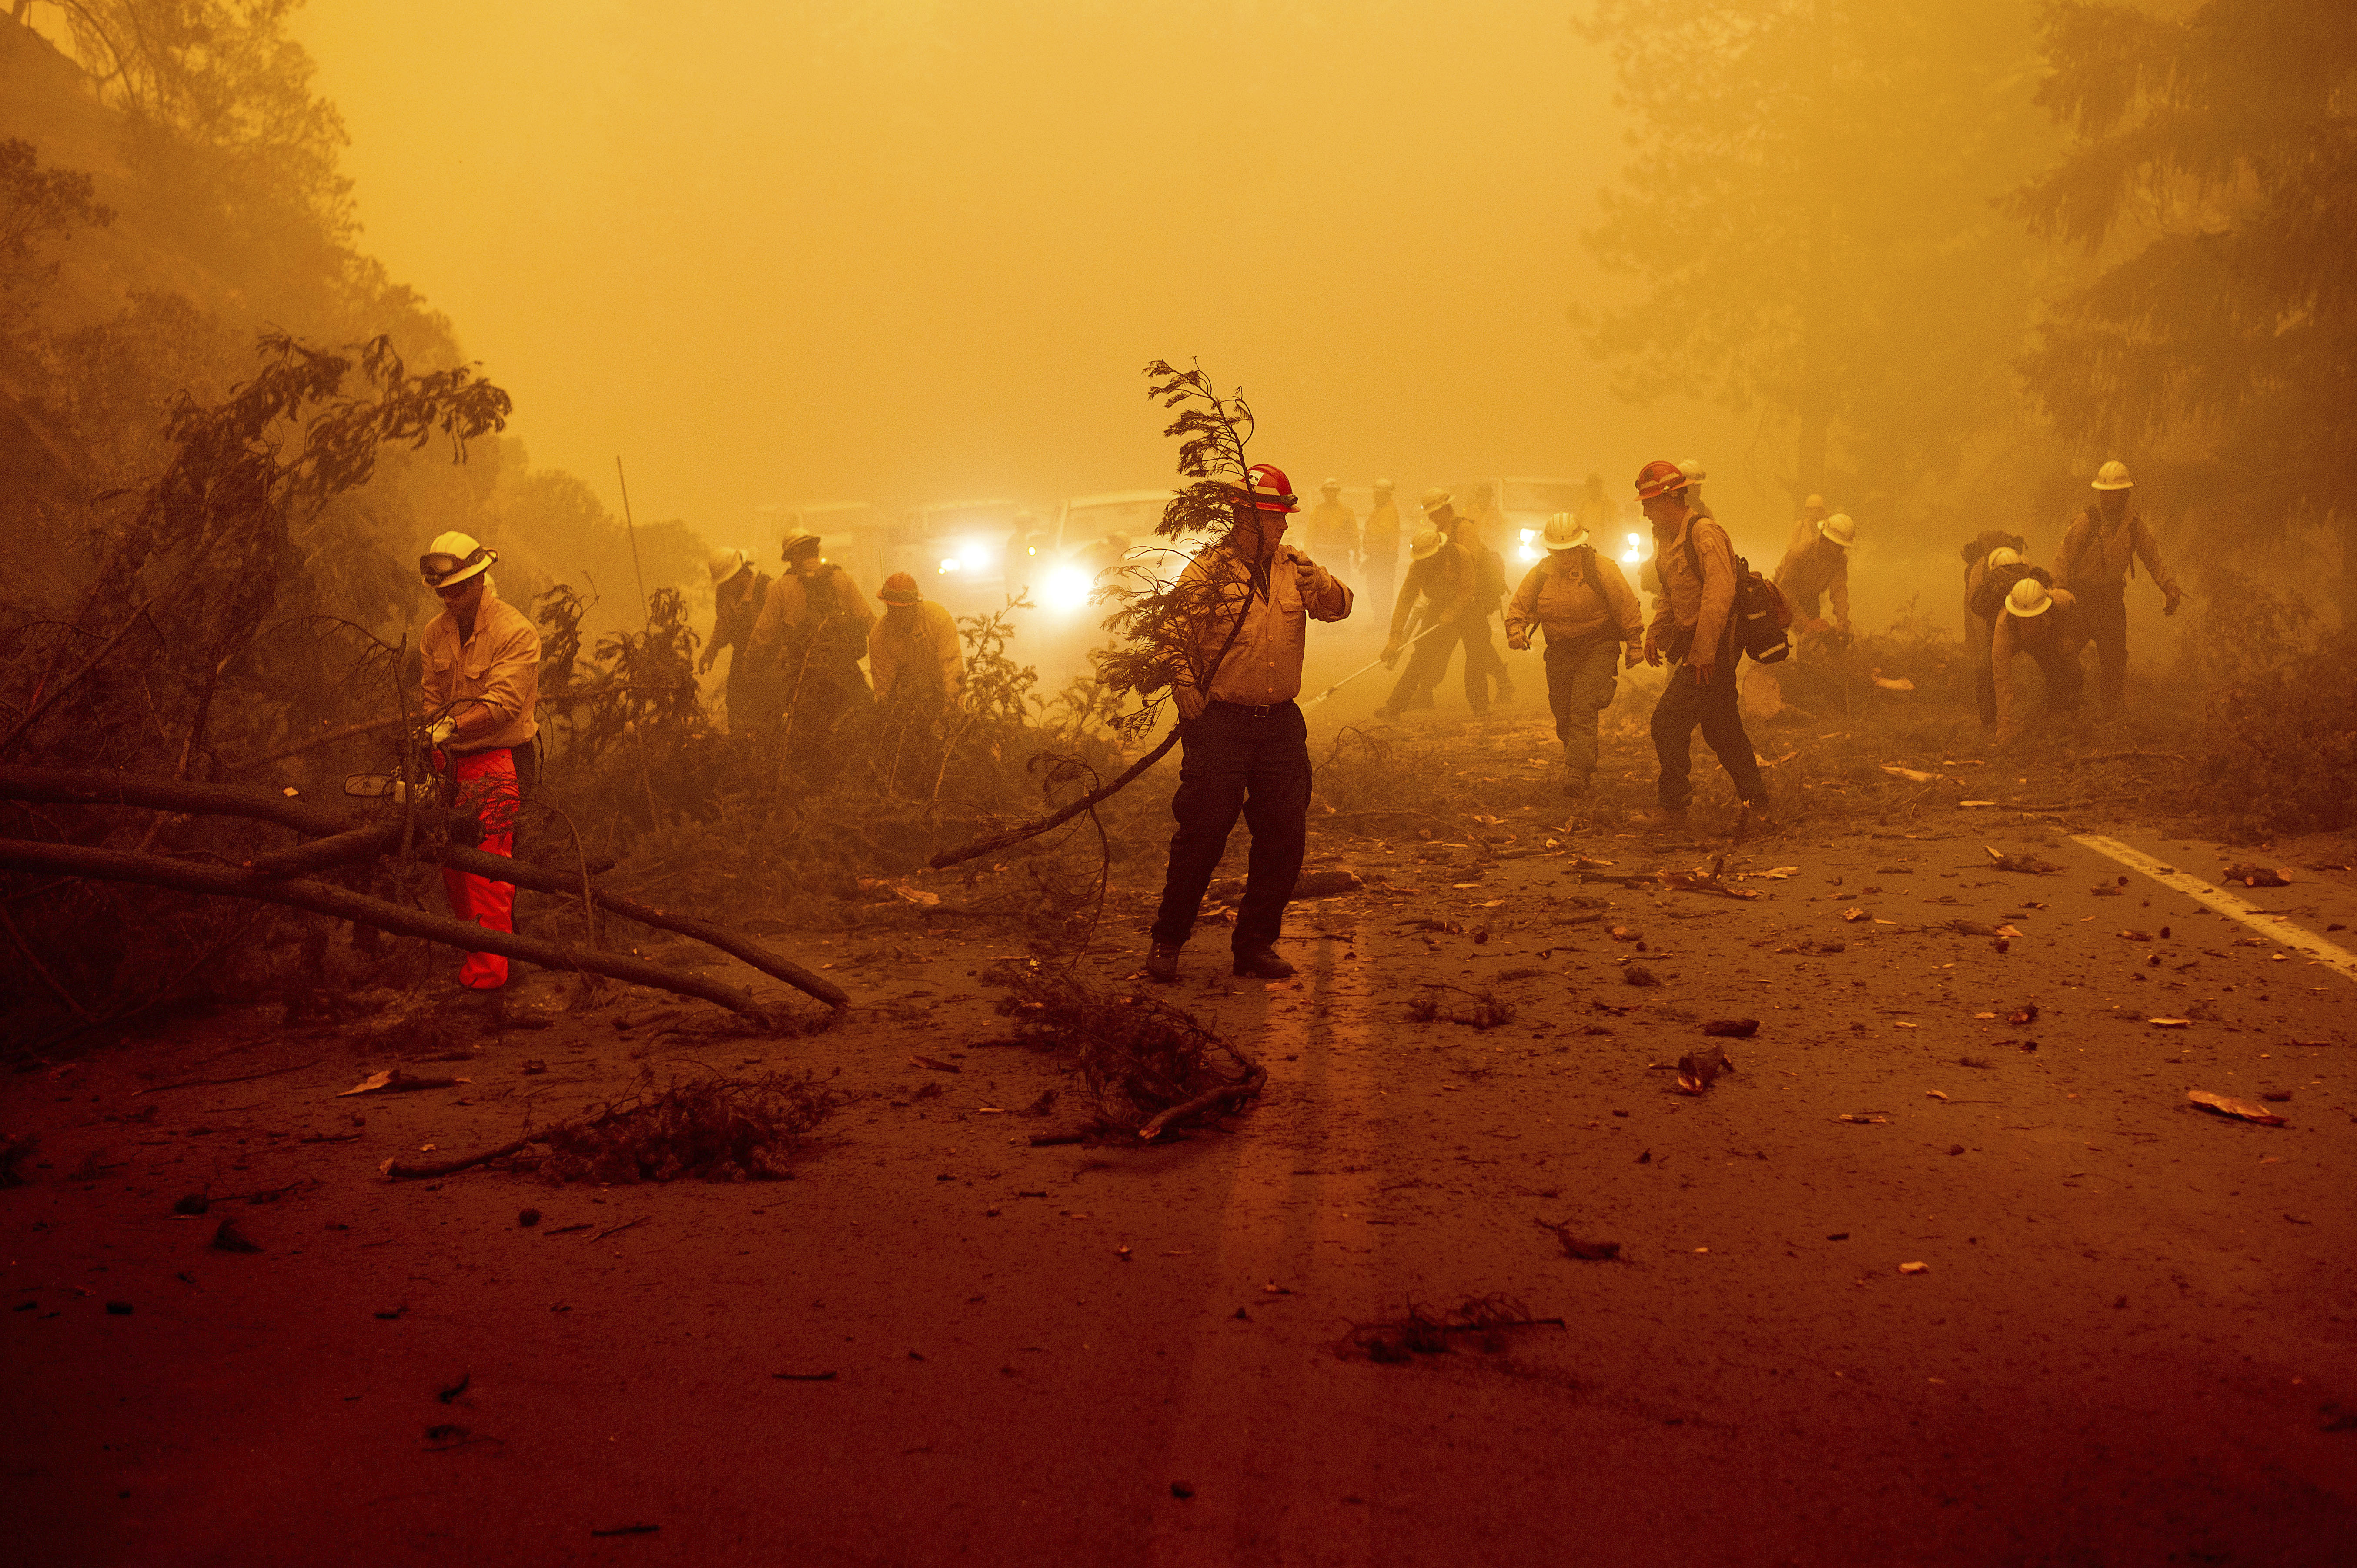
column 438, row 566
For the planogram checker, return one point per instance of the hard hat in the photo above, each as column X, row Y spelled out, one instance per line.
column 1694, row 470
column 726, row 563
column 1436, row 496
column 1426, row 543
column 2027, row 597
column 1384, row 485
column 1817, row 501
column 2003, row 555
column 1564, row 532
column 1839, row 529
column 900, row 588
column 1659, row 478
column 798, row 541
column 1272, row 491
column 1332, row 485
column 2112, row 476
column 453, row 558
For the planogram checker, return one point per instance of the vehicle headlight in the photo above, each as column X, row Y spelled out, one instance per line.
column 950, row 563
column 976, row 556
column 1528, row 553
column 1634, row 554
column 1066, row 589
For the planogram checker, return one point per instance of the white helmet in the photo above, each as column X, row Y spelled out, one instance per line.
column 726, row 563
column 1693, row 471
column 1839, row 529
column 2029, row 597
column 2112, row 476
column 1384, row 485
column 799, row 539
column 1426, row 543
column 2003, row 555
column 1436, row 496
column 1564, row 532
column 453, row 558
column 1332, row 485
column 1817, row 501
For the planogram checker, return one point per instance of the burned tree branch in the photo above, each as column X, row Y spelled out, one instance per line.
column 323, row 898
column 989, row 843
column 359, row 843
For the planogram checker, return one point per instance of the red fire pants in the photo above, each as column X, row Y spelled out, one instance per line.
column 488, row 792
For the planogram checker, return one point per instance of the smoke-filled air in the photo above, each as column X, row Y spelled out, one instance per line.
column 1264, row 782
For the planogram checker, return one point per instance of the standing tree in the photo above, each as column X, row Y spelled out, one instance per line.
column 1811, row 209
column 2220, row 149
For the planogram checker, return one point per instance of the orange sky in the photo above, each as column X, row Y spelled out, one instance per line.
column 916, row 249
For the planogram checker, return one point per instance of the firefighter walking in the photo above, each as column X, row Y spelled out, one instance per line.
column 2099, row 555
column 1693, row 629
column 1581, row 600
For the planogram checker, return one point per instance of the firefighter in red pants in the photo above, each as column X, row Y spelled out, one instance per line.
column 481, row 679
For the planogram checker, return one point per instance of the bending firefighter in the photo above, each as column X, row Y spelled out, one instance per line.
column 1246, row 604
column 1583, row 602
column 481, row 680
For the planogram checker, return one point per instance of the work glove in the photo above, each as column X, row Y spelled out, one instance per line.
column 441, row 730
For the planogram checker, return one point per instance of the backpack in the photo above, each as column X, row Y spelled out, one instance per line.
column 1760, row 615
column 1996, row 583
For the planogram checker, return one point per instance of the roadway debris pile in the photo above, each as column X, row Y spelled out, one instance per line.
column 1147, row 1064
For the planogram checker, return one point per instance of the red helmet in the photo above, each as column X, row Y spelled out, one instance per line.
column 900, row 588
column 1659, row 478
column 1268, row 481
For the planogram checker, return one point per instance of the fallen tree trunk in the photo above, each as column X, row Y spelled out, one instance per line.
column 540, row 879
column 337, row 839
column 323, row 898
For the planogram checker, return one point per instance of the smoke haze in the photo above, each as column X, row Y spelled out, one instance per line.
column 900, row 251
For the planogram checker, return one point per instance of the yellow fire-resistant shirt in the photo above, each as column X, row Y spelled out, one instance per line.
column 1263, row 664
column 486, row 685
column 916, row 646
column 1560, row 595
column 1702, row 602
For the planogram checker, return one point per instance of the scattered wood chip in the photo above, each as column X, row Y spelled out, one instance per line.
column 2227, row 1105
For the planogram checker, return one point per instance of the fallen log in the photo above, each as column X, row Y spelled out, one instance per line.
column 359, row 844
column 338, row 838
column 523, row 874
column 324, row 898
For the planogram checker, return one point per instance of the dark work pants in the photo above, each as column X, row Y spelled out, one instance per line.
column 1685, row 704
column 1426, row 664
column 1232, row 763
column 1483, row 664
column 2103, row 621
column 2066, row 683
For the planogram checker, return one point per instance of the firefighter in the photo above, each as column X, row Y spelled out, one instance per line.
column 479, row 677
column 1379, row 545
column 1483, row 666
column 739, row 589
column 1334, row 530
column 1819, row 569
column 2046, row 624
column 1814, row 511
column 812, row 633
column 1993, row 563
column 2099, row 555
column 1693, row 630
column 1244, row 747
column 913, row 653
column 1433, row 603
column 1579, row 596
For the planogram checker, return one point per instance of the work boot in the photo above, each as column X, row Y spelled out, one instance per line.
column 1262, row 963
column 1162, row 963
column 1578, row 785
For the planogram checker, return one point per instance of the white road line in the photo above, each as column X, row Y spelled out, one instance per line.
column 2281, row 932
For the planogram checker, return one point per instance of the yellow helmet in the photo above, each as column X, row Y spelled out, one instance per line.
column 454, row 557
